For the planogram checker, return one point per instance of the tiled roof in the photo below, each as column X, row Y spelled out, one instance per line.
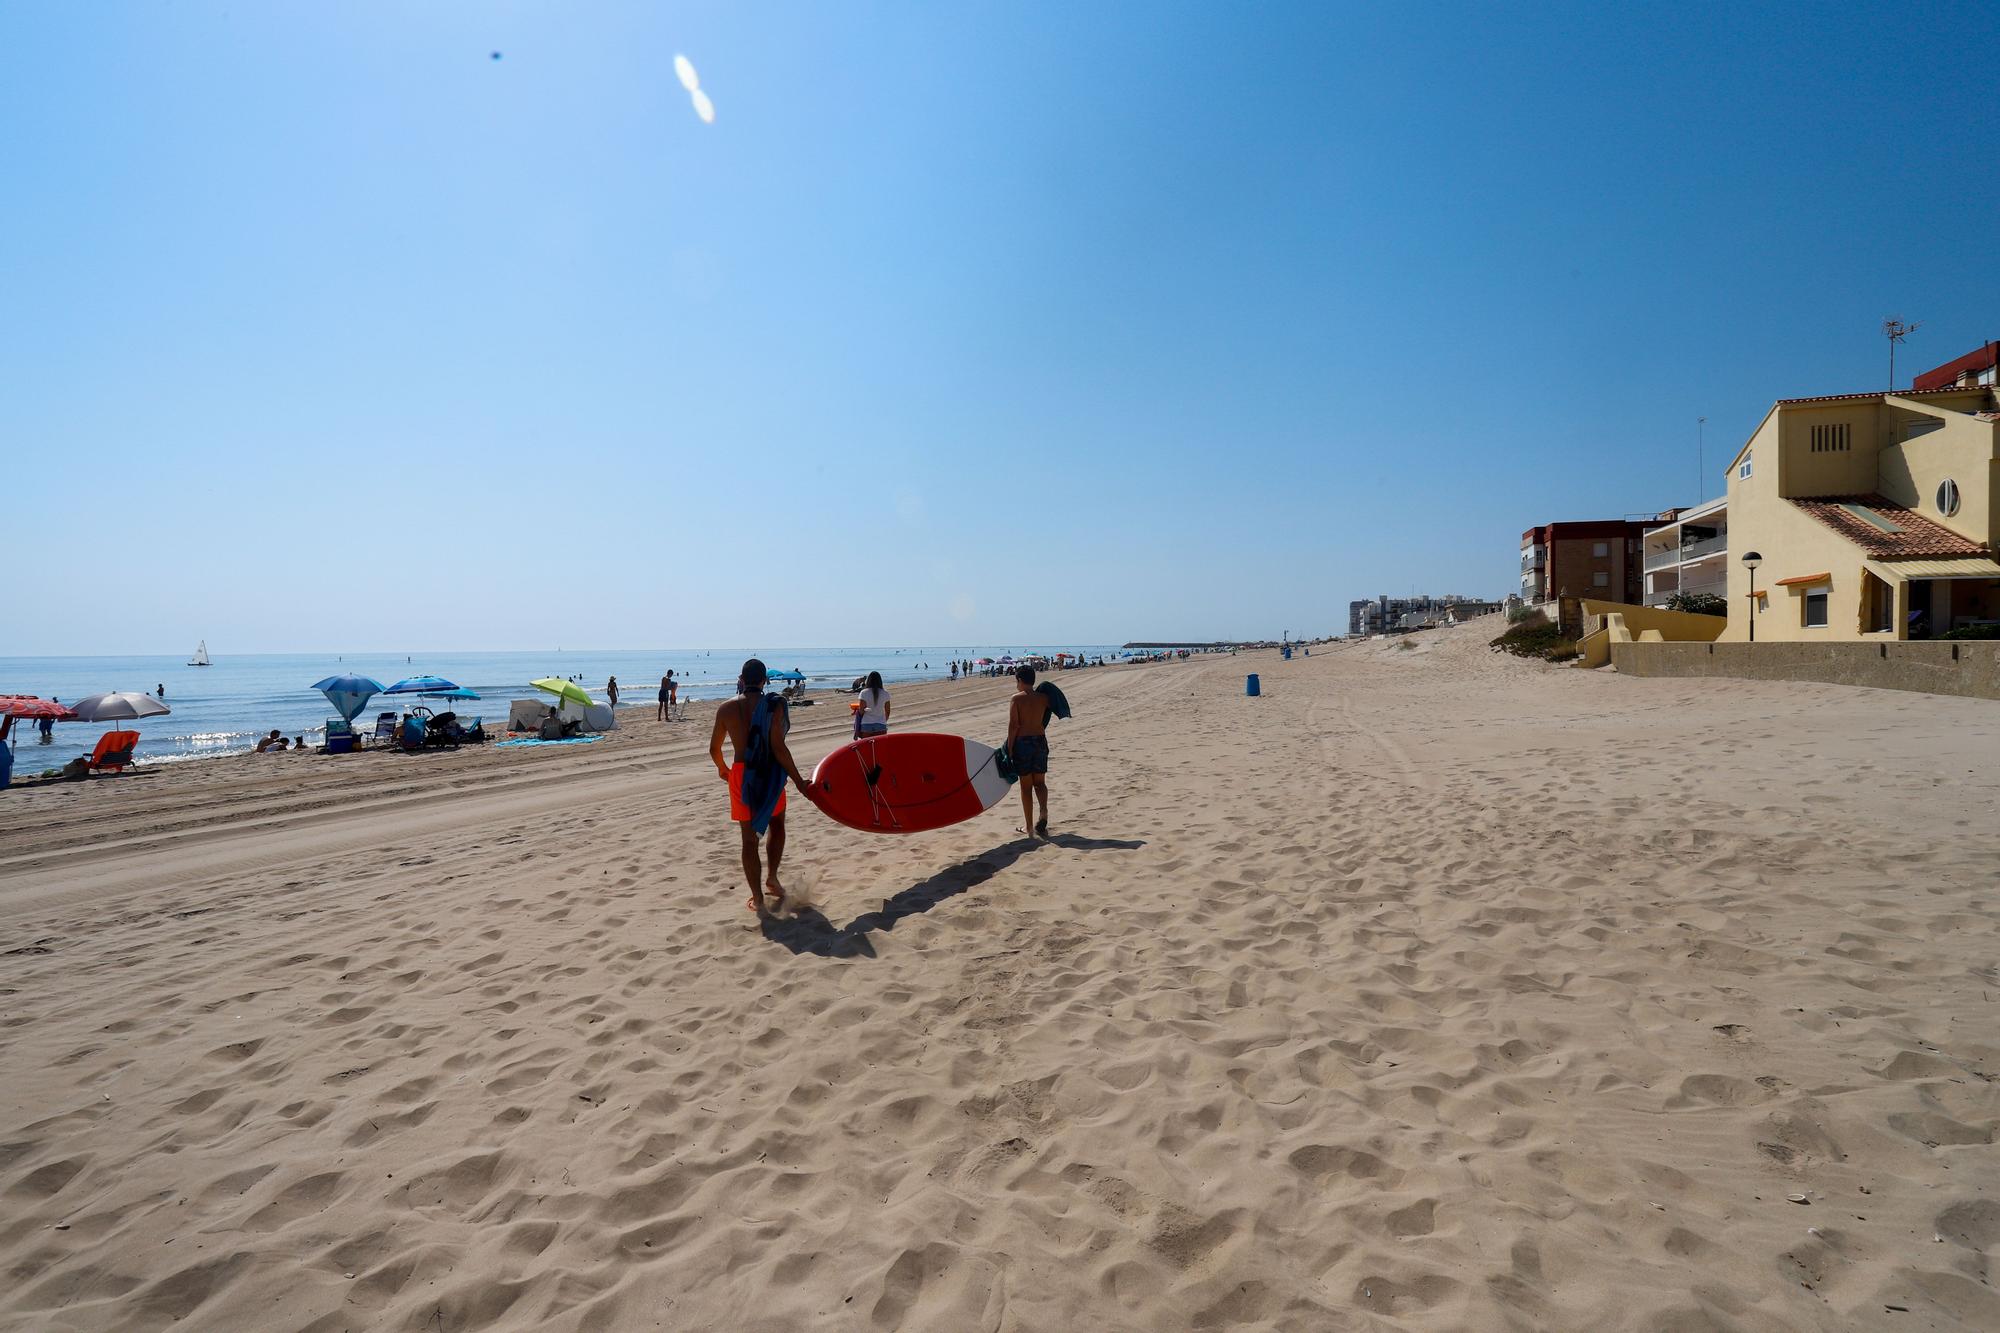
column 1877, row 393
column 1918, row 538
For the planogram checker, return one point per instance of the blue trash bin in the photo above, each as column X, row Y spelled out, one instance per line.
column 1250, row 685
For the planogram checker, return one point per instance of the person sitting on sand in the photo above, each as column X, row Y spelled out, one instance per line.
column 299, row 745
column 872, row 718
column 271, row 742
column 756, row 724
column 1028, row 743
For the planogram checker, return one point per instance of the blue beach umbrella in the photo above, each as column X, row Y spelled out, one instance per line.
column 349, row 694
column 458, row 692
column 421, row 685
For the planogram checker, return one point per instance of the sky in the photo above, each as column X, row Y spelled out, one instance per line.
column 323, row 328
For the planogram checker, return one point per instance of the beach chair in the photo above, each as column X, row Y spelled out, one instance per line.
column 114, row 751
column 385, row 729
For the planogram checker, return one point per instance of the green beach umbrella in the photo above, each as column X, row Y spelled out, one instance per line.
column 565, row 690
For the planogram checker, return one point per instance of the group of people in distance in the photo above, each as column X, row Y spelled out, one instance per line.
column 756, row 725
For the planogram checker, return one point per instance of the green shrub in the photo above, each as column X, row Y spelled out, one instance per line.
column 1534, row 635
column 1973, row 632
column 1698, row 603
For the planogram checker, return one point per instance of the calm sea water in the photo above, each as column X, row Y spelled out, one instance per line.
column 225, row 707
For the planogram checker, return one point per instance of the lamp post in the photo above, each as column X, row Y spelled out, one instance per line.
column 1751, row 560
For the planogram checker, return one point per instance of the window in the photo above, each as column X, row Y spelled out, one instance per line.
column 1743, row 469
column 1831, row 438
column 1947, row 497
column 1600, row 580
column 1815, row 609
column 1600, row 550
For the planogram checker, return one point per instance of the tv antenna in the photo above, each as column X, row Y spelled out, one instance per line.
column 1895, row 330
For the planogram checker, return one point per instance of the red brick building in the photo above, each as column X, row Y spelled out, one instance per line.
column 1590, row 559
column 1979, row 367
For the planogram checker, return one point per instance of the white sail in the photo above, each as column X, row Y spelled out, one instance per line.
column 200, row 654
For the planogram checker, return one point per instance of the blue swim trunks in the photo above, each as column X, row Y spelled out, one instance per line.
column 1031, row 754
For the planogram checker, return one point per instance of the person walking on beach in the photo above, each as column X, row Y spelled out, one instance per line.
column 872, row 718
column 665, row 694
column 611, row 690
column 1028, row 743
column 756, row 723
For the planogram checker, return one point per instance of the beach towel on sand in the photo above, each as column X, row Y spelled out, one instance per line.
column 763, row 775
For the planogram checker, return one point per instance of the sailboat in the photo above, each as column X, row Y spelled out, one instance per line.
column 201, row 654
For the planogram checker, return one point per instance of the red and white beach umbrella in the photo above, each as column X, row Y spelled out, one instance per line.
column 28, row 706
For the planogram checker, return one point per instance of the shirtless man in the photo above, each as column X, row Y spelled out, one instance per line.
column 1028, row 742
column 733, row 720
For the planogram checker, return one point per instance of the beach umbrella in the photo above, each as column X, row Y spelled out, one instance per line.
column 459, row 693
column 123, row 706
column 982, row 661
column 564, row 690
column 349, row 694
column 786, row 675
column 421, row 685
column 28, row 706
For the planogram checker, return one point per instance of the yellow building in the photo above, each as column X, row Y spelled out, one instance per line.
column 1873, row 513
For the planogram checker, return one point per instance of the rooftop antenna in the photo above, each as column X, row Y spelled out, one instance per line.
column 1895, row 330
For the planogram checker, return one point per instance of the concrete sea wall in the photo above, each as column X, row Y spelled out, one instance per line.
column 1971, row 668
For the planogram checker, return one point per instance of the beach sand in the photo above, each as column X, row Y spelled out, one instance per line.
column 1432, row 989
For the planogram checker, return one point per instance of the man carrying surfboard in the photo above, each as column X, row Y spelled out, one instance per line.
column 756, row 723
column 1028, row 744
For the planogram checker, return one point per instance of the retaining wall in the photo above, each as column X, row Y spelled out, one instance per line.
column 1969, row 668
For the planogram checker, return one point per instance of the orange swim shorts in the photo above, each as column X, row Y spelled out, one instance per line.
column 739, row 811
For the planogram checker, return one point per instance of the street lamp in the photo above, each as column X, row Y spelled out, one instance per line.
column 1751, row 559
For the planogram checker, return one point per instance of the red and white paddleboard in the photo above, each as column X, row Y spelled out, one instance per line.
column 907, row 782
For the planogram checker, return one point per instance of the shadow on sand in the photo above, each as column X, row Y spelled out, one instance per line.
column 811, row 933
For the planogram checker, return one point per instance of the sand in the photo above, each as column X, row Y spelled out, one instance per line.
column 1433, row 989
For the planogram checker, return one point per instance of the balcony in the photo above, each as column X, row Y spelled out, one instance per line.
column 1532, row 560
column 1706, row 546
column 1666, row 559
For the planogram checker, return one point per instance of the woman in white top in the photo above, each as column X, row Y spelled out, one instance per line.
column 872, row 718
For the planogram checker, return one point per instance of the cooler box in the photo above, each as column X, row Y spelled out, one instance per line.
column 343, row 744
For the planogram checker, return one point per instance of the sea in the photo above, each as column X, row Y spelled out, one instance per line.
column 223, row 708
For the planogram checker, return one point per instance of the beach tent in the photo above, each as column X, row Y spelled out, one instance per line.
column 349, row 694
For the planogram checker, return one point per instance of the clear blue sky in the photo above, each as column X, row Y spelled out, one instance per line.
column 962, row 322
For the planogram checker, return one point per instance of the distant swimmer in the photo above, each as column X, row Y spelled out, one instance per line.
column 756, row 724
column 1028, row 743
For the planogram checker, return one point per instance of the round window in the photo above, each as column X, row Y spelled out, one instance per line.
column 1947, row 497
